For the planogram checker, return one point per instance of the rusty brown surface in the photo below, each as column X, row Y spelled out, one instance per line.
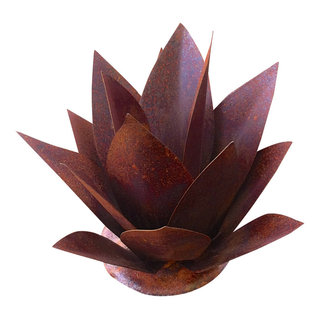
column 252, row 236
column 83, row 134
column 94, row 246
column 203, row 204
column 147, row 178
column 166, row 243
column 199, row 142
column 170, row 90
column 121, row 102
column 241, row 117
column 264, row 167
column 102, row 122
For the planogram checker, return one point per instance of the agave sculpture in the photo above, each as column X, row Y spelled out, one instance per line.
column 169, row 176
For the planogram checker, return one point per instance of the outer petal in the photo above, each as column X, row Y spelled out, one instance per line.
column 121, row 102
column 94, row 246
column 241, row 117
column 147, row 178
column 170, row 90
column 166, row 243
column 54, row 156
column 102, row 124
column 94, row 186
column 252, row 236
column 202, row 205
column 199, row 143
column 83, row 133
column 264, row 167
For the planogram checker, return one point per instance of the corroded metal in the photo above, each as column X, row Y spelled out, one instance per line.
column 168, row 175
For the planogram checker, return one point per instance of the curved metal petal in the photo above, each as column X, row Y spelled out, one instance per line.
column 147, row 178
column 204, row 202
column 241, row 117
column 264, row 167
column 121, row 102
column 170, row 90
column 94, row 246
column 199, row 143
column 54, row 156
column 166, row 243
column 94, row 186
column 102, row 123
column 83, row 134
column 252, row 236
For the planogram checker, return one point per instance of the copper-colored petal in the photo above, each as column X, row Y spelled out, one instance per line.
column 83, row 134
column 170, row 90
column 94, row 246
column 199, row 143
column 252, row 236
column 121, row 102
column 166, row 243
column 147, row 178
column 94, row 187
column 54, row 156
column 202, row 205
column 241, row 117
column 264, row 167
column 102, row 123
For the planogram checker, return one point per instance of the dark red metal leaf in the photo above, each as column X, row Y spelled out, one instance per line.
column 170, row 90
column 147, row 178
column 199, row 143
column 55, row 157
column 252, row 236
column 102, row 123
column 83, row 134
column 264, row 167
column 95, row 186
column 241, row 117
column 121, row 102
column 166, row 243
column 94, row 246
column 204, row 202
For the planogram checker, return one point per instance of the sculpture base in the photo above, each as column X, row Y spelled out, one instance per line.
column 171, row 279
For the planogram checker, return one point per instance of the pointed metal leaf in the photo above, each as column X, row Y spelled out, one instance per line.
column 241, row 117
column 83, row 134
column 102, row 123
column 264, row 167
column 121, row 102
column 94, row 246
column 54, row 156
column 202, row 205
column 147, row 178
column 170, row 90
column 252, row 236
column 166, row 243
column 199, row 143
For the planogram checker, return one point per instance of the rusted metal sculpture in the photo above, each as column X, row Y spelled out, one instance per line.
column 169, row 176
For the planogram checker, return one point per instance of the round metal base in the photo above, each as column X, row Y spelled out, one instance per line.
column 171, row 279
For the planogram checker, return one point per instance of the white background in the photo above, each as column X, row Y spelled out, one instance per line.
column 46, row 67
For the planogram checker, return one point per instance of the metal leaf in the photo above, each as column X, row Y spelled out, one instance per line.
column 54, row 156
column 147, row 178
column 252, row 236
column 166, row 243
column 171, row 88
column 241, row 117
column 94, row 246
column 202, row 205
column 102, row 123
column 264, row 167
column 121, row 102
column 83, row 134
